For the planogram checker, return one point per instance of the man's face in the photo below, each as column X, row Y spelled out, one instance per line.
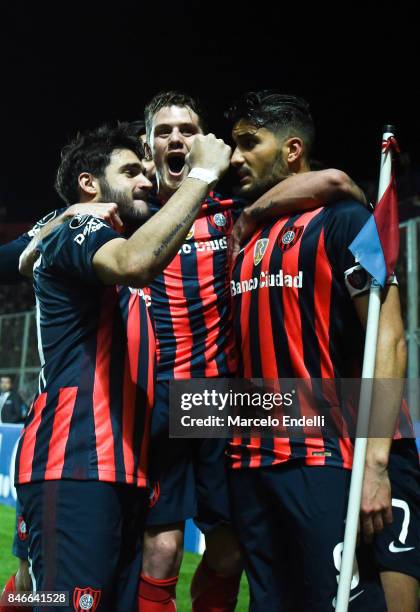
column 258, row 159
column 125, row 184
column 173, row 131
column 5, row 384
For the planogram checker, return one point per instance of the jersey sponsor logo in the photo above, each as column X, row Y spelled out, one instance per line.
column 86, row 599
column 91, row 226
column 22, row 529
column 266, row 280
column 259, row 250
column 289, row 236
column 219, row 244
column 143, row 293
column 78, row 221
column 36, row 228
column 190, row 233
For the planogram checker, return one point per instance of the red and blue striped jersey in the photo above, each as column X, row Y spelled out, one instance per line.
column 191, row 300
column 90, row 419
column 294, row 318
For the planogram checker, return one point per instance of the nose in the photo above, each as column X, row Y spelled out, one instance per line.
column 237, row 158
column 144, row 183
column 175, row 138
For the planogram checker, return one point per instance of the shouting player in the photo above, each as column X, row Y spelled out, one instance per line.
column 81, row 466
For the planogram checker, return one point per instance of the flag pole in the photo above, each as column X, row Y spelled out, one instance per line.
column 368, row 372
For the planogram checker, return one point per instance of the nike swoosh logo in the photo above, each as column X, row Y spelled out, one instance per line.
column 334, row 603
column 396, row 549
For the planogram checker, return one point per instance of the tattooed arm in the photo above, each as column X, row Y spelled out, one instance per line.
column 136, row 261
column 297, row 192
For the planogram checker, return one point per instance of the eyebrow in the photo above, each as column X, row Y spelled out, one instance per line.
column 134, row 167
column 165, row 126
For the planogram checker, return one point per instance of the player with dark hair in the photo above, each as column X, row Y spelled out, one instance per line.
column 81, row 466
column 289, row 495
column 191, row 308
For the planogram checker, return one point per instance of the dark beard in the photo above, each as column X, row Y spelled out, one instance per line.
column 278, row 172
column 130, row 216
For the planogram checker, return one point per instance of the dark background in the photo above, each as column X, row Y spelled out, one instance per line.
column 70, row 66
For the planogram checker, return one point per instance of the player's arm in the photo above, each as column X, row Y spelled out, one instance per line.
column 391, row 359
column 9, row 259
column 108, row 212
column 298, row 192
column 136, row 261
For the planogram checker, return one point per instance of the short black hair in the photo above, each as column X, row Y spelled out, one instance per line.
column 138, row 127
column 91, row 152
column 172, row 98
column 277, row 112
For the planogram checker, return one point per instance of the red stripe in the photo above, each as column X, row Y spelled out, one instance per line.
column 101, row 399
column 293, row 329
column 267, row 338
column 29, row 440
column 130, row 385
column 182, row 335
column 206, row 281
column 144, row 451
column 61, row 426
column 322, row 304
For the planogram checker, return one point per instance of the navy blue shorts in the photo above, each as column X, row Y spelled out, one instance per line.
column 290, row 525
column 397, row 547
column 85, row 537
column 190, row 475
column 20, row 541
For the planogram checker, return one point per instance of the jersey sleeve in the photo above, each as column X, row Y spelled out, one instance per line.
column 9, row 259
column 344, row 222
column 70, row 248
column 11, row 252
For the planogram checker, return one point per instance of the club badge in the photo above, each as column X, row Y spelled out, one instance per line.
column 86, row 599
column 190, row 233
column 220, row 219
column 289, row 236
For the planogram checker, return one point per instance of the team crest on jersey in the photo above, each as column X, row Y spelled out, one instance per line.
column 86, row 599
column 289, row 236
column 154, row 494
column 21, row 529
column 220, row 219
column 190, row 233
column 260, row 249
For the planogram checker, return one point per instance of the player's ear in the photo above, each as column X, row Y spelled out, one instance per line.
column 294, row 149
column 88, row 184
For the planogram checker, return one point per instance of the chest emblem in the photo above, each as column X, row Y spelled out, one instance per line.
column 190, row 233
column 220, row 219
column 259, row 250
column 289, row 236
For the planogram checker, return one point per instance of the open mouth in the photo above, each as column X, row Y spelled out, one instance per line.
column 176, row 163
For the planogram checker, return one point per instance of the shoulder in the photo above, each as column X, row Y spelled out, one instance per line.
column 347, row 209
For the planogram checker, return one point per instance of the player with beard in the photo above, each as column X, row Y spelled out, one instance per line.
column 191, row 308
column 81, row 466
column 289, row 494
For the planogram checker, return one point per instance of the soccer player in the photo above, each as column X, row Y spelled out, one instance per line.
column 289, row 495
column 81, row 466
column 191, row 307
